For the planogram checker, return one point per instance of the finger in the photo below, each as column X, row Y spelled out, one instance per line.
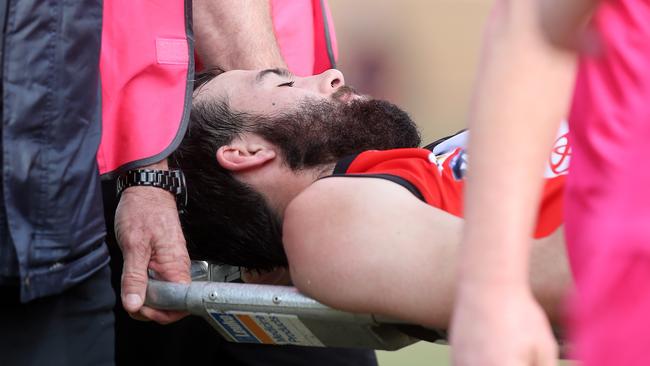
column 162, row 316
column 171, row 261
column 139, row 317
column 134, row 276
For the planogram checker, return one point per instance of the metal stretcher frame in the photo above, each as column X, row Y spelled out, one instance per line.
column 278, row 315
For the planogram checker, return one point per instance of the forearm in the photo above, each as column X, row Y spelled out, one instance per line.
column 235, row 34
column 418, row 284
column 520, row 97
column 161, row 165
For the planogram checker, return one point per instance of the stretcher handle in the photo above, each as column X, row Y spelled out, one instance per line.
column 167, row 295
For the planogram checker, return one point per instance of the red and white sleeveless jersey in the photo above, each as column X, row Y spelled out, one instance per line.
column 428, row 175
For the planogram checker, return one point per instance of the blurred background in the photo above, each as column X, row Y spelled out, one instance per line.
column 419, row 54
column 422, row 56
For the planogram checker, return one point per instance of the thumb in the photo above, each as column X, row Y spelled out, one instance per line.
column 134, row 278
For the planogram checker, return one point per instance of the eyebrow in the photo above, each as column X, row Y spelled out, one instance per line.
column 277, row 71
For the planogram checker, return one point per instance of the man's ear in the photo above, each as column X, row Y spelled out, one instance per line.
column 241, row 155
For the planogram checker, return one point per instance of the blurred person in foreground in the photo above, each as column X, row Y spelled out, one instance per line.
column 304, row 172
column 526, row 73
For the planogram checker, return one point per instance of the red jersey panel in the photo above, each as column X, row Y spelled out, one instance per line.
column 431, row 176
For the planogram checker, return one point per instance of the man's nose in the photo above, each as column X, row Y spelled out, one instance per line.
column 330, row 81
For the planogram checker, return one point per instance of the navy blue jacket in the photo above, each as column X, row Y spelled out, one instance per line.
column 50, row 135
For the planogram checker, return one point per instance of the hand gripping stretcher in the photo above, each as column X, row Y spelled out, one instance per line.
column 279, row 315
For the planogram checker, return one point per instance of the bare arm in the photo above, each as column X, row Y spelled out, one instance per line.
column 376, row 248
column 235, row 34
column 522, row 94
column 523, row 91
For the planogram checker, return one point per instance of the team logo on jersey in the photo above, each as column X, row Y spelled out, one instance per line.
column 459, row 165
column 560, row 156
column 439, row 160
column 558, row 162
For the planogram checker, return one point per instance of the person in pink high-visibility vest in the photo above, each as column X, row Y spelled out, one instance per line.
column 148, row 63
column 147, row 68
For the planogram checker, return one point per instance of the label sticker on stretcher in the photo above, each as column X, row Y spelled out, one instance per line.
column 280, row 329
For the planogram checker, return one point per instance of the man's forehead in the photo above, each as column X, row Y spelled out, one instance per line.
column 204, row 77
column 209, row 83
column 224, row 84
column 259, row 75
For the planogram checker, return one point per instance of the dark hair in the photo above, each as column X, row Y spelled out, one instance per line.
column 217, row 221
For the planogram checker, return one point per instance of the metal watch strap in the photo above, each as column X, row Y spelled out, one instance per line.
column 170, row 180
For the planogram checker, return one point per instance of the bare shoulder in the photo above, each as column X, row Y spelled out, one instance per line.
column 350, row 239
column 353, row 189
column 335, row 222
column 340, row 202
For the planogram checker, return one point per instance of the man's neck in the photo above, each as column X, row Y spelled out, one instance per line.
column 324, row 171
column 281, row 194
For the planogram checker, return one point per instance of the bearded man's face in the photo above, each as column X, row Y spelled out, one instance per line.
column 322, row 132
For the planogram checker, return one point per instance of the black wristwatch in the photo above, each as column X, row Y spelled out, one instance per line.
column 170, row 180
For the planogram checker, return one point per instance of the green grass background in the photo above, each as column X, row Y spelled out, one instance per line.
column 418, row 354
column 423, row 353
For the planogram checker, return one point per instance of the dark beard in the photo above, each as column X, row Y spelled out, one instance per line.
column 326, row 131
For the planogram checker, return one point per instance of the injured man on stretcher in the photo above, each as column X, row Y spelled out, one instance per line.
column 306, row 173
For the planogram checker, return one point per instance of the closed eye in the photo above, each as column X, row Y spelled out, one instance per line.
column 289, row 84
